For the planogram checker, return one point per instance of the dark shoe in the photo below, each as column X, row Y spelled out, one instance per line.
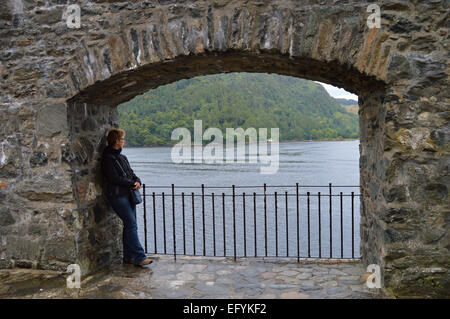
column 145, row 262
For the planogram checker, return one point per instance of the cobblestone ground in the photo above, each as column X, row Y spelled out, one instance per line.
column 192, row 277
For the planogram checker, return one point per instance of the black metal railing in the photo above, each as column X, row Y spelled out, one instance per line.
column 232, row 224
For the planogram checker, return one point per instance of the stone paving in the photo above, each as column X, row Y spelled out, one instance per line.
column 196, row 277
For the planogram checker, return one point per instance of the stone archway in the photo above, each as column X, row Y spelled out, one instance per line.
column 61, row 92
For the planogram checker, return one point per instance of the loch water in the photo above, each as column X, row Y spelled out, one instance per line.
column 309, row 163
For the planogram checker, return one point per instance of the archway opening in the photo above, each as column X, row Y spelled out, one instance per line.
column 319, row 145
column 94, row 111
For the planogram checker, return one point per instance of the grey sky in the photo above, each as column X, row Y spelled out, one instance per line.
column 338, row 93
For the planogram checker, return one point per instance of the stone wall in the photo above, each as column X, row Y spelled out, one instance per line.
column 60, row 89
column 98, row 233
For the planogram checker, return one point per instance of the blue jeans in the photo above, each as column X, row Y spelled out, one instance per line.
column 127, row 213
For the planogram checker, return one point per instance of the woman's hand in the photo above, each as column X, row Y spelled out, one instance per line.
column 137, row 186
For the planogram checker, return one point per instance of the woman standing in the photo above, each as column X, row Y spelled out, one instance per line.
column 120, row 181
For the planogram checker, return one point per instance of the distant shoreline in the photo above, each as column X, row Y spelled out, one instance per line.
column 283, row 141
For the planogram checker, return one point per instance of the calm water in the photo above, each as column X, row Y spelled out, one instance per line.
column 306, row 163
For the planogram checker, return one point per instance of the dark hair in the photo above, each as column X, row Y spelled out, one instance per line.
column 114, row 135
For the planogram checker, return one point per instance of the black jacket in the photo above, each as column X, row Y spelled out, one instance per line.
column 117, row 183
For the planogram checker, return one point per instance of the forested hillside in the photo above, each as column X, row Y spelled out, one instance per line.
column 301, row 109
column 347, row 102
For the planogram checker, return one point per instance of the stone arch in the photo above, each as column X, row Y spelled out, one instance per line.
column 123, row 49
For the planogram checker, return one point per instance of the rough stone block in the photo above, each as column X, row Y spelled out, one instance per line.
column 52, row 120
